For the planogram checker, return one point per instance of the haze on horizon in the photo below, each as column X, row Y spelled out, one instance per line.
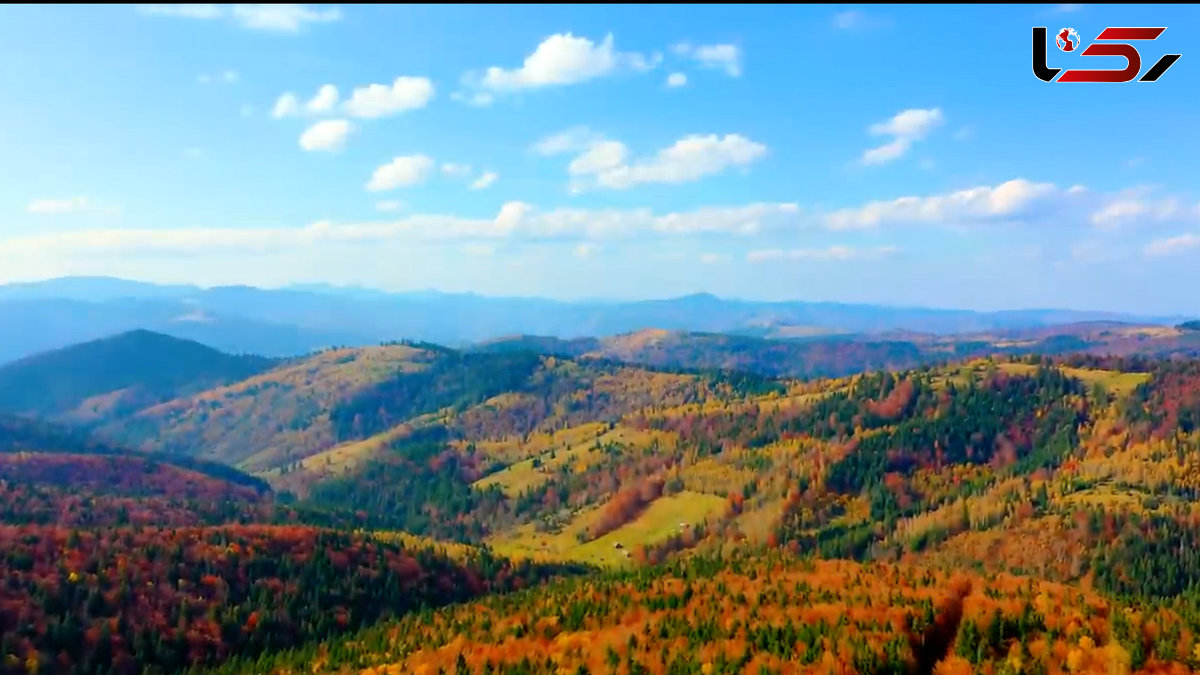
column 620, row 153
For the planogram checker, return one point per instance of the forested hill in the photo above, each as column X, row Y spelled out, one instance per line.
column 842, row 355
column 118, row 374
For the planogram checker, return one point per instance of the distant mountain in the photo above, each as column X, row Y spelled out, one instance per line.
column 91, row 289
column 54, row 323
column 301, row 319
column 125, row 372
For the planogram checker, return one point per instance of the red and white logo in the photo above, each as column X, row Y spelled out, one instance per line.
column 1110, row 42
column 1067, row 39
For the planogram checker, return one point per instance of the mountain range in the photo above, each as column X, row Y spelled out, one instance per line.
column 301, row 319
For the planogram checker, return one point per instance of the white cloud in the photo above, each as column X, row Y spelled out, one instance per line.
column 601, row 156
column 326, row 135
column 286, row 18
column 379, row 100
column 456, row 170
column 515, row 219
column 907, row 127
column 724, row 57
column 286, row 105
column 887, row 152
column 1172, row 245
column 58, row 206
column 1131, row 209
column 401, row 172
column 485, row 181
column 281, row 18
column 913, row 123
column 560, row 59
column 570, row 140
column 389, row 205
column 224, row 77
column 676, row 80
column 833, row 253
column 324, row 100
column 586, row 250
column 606, row 164
column 198, row 11
column 1010, row 199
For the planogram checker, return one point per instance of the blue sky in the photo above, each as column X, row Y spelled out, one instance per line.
column 902, row 155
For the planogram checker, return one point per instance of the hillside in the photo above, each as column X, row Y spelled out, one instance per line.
column 115, row 376
column 268, row 420
column 763, row 613
column 839, row 356
column 1012, row 479
column 73, row 602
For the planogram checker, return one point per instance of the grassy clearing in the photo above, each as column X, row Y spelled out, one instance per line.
column 577, row 450
column 662, row 519
column 1115, row 383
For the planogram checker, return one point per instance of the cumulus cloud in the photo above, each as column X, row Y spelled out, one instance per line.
column 326, row 135
column 381, row 100
column 724, row 57
column 1007, row 200
column 281, row 18
column 401, row 172
column 485, row 181
column 606, row 164
column 373, row 100
column 676, row 80
column 905, row 128
column 287, row 105
column 833, row 253
column 560, row 59
column 324, row 100
column 600, row 157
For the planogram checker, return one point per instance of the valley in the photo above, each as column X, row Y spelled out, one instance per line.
column 936, row 508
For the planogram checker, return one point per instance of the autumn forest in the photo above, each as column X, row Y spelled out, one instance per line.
column 652, row 504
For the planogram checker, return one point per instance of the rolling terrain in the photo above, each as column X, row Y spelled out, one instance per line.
column 1014, row 512
column 298, row 320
